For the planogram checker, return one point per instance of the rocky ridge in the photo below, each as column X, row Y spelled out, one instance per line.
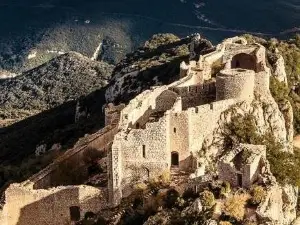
column 62, row 79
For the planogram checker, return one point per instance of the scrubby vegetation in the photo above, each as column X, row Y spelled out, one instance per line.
column 62, row 79
column 258, row 194
column 207, row 199
column 160, row 39
column 234, row 206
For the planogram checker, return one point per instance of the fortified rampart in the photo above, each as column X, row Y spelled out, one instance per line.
column 76, row 160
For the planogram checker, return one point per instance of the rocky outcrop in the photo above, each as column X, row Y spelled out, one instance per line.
column 287, row 111
column 267, row 118
column 195, row 208
column 4, row 74
column 279, row 206
column 279, row 69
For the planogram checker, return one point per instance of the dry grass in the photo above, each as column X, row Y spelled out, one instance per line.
column 234, row 206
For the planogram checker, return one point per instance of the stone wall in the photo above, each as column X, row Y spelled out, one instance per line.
column 140, row 148
column 163, row 102
column 227, row 173
column 255, row 169
column 74, row 160
column 179, row 137
column 262, row 82
column 26, row 206
column 115, row 172
column 196, row 95
column 203, row 120
column 139, row 105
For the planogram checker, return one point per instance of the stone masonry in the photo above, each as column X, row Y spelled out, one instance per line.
column 166, row 126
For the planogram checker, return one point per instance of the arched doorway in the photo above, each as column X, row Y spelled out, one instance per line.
column 174, row 159
column 244, row 61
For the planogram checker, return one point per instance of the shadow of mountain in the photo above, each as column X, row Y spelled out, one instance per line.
column 56, row 125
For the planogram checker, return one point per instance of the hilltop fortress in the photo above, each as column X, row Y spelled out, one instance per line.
column 167, row 125
column 161, row 129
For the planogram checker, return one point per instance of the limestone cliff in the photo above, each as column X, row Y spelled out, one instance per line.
column 266, row 115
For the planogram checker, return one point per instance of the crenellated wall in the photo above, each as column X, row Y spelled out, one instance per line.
column 74, row 159
column 196, row 94
column 137, row 107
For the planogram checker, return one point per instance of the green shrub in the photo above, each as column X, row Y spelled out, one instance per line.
column 258, row 194
column 207, row 199
column 279, row 90
column 225, row 189
column 216, row 67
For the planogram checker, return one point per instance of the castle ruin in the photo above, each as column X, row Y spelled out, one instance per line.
column 160, row 129
column 165, row 127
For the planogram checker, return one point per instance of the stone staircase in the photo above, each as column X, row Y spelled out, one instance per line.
column 178, row 176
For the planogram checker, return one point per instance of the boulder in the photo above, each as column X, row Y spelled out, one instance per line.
column 279, row 206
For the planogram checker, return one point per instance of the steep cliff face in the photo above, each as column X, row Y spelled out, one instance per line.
column 267, row 118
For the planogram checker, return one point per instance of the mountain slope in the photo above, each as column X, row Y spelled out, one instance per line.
column 62, row 79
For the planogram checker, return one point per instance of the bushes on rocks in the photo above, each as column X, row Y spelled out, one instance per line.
column 258, row 195
column 207, row 199
column 234, row 206
column 161, row 39
column 225, row 189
